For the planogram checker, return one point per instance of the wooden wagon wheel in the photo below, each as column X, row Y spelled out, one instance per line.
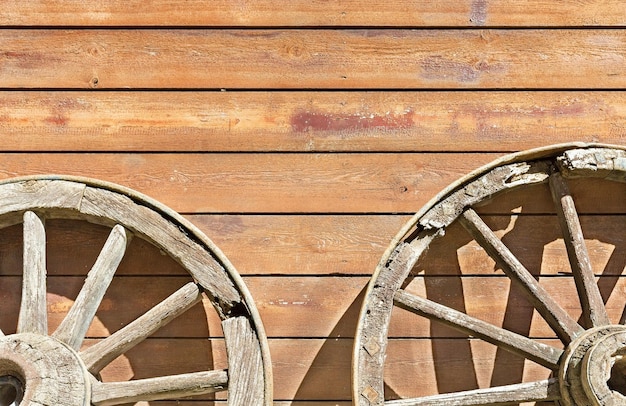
column 590, row 348
column 37, row 368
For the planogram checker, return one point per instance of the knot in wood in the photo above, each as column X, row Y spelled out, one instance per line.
column 50, row 373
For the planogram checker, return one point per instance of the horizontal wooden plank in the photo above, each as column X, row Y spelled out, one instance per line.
column 299, row 183
column 312, row 369
column 326, row 245
column 460, row 13
column 312, row 59
column 289, row 307
column 307, row 121
column 317, row 306
column 422, row 367
column 116, row 309
column 536, row 241
column 263, row 182
column 493, row 300
column 318, row 369
column 353, row 245
column 72, row 247
column 329, row 306
column 303, row 369
column 302, row 244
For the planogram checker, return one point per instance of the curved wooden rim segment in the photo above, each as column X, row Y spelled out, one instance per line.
column 33, row 199
column 523, row 156
column 553, row 165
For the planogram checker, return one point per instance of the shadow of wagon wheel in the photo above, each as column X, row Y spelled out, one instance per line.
column 330, row 368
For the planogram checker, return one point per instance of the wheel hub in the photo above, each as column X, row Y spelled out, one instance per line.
column 593, row 366
column 40, row 370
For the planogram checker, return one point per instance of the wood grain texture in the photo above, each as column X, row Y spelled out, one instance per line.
column 263, row 183
column 328, row 245
column 339, row 120
column 166, row 387
column 318, row 306
column 171, row 237
column 460, row 13
column 515, row 343
column 33, row 317
column 72, row 329
column 102, row 353
column 540, row 391
column 328, row 307
column 246, row 385
column 565, row 326
column 297, row 59
column 303, row 366
column 298, row 183
column 49, row 373
column 452, row 365
column 301, row 244
column 492, row 299
column 574, row 240
column 438, row 121
column 300, row 366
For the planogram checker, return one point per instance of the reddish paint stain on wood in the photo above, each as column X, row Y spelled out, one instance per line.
column 319, row 121
column 26, row 60
column 57, row 120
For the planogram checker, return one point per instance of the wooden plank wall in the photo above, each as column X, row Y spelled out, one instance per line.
column 300, row 136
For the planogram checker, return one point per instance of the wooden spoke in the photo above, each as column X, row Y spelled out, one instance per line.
column 535, row 351
column 99, row 355
column 546, row 390
column 594, row 313
column 592, row 341
column 74, row 327
column 167, row 387
column 562, row 323
column 33, row 317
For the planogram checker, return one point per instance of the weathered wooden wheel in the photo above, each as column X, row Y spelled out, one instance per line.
column 38, row 368
column 592, row 347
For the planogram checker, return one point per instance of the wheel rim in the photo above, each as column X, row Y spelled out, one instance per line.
column 27, row 357
column 576, row 379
